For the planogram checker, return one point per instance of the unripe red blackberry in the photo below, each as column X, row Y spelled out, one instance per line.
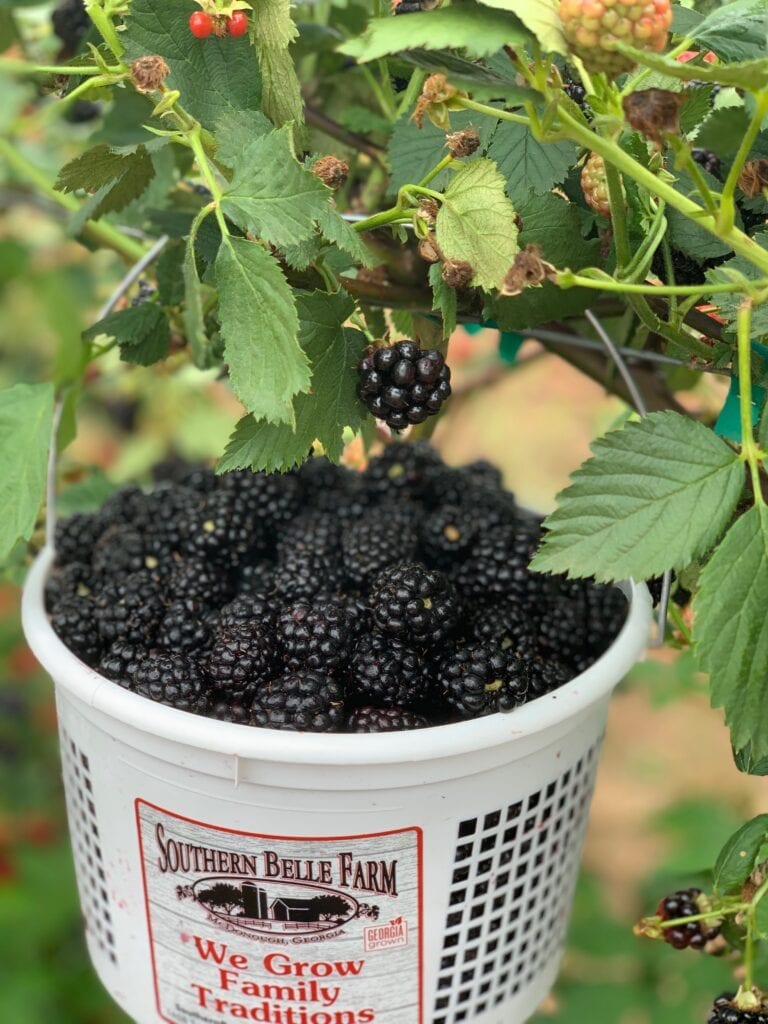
column 595, row 186
column 403, row 384
column 594, row 27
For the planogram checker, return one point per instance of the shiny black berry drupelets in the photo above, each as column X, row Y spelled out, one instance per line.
column 388, row 672
column 690, row 934
column 724, row 1011
column 300, row 702
column 370, row 719
column 409, row 600
column 481, row 678
column 173, row 679
column 403, row 384
column 242, row 658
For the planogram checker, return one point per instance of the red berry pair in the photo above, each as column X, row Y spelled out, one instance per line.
column 201, row 25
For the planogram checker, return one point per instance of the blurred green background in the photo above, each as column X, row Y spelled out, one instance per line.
column 668, row 794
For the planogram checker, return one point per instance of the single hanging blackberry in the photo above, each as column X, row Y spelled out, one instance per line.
column 120, row 661
column 73, row 622
column 76, row 537
column 409, row 600
column 314, row 635
column 173, row 679
column 370, row 719
column 300, row 702
column 183, row 627
column 130, row 609
column 482, row 678
column 386, row 672
column 693, row 934
column 70, row 22
column 725, row 1011
column 241, row 659
column 386, row 535
column 403, row 384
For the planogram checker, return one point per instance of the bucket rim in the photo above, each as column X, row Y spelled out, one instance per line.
column 331, row 749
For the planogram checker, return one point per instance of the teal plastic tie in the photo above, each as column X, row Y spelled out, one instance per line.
column 729, row 421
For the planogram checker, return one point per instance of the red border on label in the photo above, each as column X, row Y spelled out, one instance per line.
column 261, row 835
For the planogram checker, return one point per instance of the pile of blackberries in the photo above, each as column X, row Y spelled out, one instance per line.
column 325, row 599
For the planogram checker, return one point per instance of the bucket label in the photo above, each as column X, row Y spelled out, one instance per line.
column 282, row 929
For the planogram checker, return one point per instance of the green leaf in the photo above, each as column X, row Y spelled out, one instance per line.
column 322, row 414
column 141, row 331
column 541, row 17
column 414, row 151
column 688, row 236
column 481, row 81
column 725, row 129
column 527, row 164
column 259, row 324
column 26, row 422
column 215, row 76
column 193, row 318
column 341, row 234
column 727, row 303
column 477, row 223
column 169, row 270
column 272, row 195
column 654, row 496
column 735, row 31
column 117, row 177
column 738, row 857
column 472, row 27
column 444, row 298
column 750, row 74
column 553, row 224
column 747, row 763
column 236, row 130
column 273, row 32
column 731, row 641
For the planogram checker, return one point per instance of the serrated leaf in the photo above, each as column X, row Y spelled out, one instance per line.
column 471, row 27
column 273, row 32
column 272, row 195
column 738, row 857
column 215, row 75
column 727, row 303
column 26, row 421
column 480, row 80
column 735, row 31
column 654, row 496
column 731, row 641
column 477, row 223
column 236, row 130
column 341, row 234
column 141, row 331
column 444, row 298
column 414, row 151
column 323, row 414
column 259, row 324
column 747, row 763
column 169, row 270
column 527, row 164
column 541, row 17
column 116, row 178
column 688, row 236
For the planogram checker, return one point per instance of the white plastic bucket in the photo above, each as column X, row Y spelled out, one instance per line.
column 408, row 878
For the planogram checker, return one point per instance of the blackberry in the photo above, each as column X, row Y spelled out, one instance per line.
column 693, row 934
column 446, row 535
column 385, row 536
column 309, row 702
column 497, row 565
column 402, row 470
column 387, row 672
column 70, row 22
column 476, row 484
column 508, row 621
column 222, row 529
column 315, row 636
column 724, row 1011
column 76, row 537
column 272, row 498
column 317, row 531
column 167, row 511
column 82, row 112
column 120, row 661
column 119, row 552
column 126, row 507
column 183, row 627
column 321, row 479
column 72, row 621
column 75, row 579
column 173, row 679
column 545, row 672
column 248, row 607
column 303, row 573
column 195, row 579
column 255, row 578
column 708, row 160
column 242, row 658
column 678, row 594
column 226, row 711
column 411, row 601
column 129, row 609
column 482, row 678
column 193, row 477
column 403, row 384
column 370, row 719
column 577, row 92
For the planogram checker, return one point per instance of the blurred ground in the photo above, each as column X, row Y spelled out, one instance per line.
column 668, row 793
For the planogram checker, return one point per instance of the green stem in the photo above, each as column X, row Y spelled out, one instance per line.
column 638, row 265
column 99, row 232
column 23, row 67
column 750, row 451
column 709, row 915
column 679, row 622
column 105, row 27
column 195, row 143
column 668, row 331
column 383, row 100
column 618, row 217
column 437, row 169
column 411, row 94
column 728, row 204
column 483, row 108
column 567, row 279
column 669, row 268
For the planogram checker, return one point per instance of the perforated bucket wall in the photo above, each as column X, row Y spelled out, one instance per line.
column 451, row 852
